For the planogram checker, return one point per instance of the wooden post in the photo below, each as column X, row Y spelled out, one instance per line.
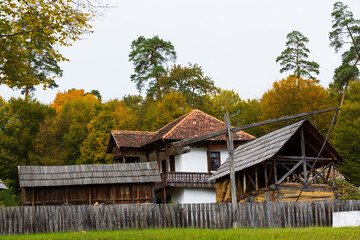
column 33, row 197
column 208, row 157
column 67, row 196
column 153, row 193
column 166, row 158
column 123, row 155
column 276, row 180
column 89, row 194
column 164, row 192
column 113, row 193
column 230, row 145
column 303, row 154
column 244, row 181
column 256, row 178
column 158, row 158
column 266, row 177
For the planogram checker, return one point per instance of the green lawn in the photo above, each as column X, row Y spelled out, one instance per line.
column 267, row 234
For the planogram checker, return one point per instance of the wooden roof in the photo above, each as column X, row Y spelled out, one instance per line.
column 40, row 176
column 268, row 145
column 2, row 185
column 194, row 123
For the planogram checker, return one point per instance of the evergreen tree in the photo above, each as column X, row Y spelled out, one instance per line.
column 295, row 55
column 149, row 56
column 346, row 29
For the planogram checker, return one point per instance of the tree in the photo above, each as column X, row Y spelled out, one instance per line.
column 113, row 115
column 346, row 29
column 149, row 55
column 346, row 133
column 31, row 32
column 293, row 57
column 190, row 81
column 295, row 95
column 241, row 112
column 69, row 95
column 20, row 121
column 64, row 134
column 161, row 112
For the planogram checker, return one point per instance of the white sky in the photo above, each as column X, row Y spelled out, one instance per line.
column 236, row 43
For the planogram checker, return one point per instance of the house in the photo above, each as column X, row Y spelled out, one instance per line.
column 88, row 184
column 183, row 176
column 2, row 186
column 280, row 165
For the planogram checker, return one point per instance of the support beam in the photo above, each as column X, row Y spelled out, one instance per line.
column 167, row 158
column 289, row 172
column 123, row 155
column 292, row 173
column 256, row 178
column 208, row 157
column 188, row 141
column 303, row 153
column 230, row 146
column 244, row 181
column 164, row 192
column 158, row 158
column 265, row 175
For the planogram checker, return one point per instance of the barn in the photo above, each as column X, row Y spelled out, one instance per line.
column 289, row 164
column 88, row 184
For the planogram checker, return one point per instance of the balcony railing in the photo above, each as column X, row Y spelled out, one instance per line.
column 185, row 179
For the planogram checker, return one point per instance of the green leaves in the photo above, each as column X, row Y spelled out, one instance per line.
column 346, row 29
column 149, row 56
column 30, row 32
column 293, row 57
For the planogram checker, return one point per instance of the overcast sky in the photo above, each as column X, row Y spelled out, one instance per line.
column 236, row 43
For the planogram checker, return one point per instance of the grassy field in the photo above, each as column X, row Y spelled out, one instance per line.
column 288, row 233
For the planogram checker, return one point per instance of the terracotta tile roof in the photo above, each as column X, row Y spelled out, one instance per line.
column 192, row 124
column 131, row 138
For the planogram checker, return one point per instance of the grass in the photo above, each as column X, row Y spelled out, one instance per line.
column 267, row 234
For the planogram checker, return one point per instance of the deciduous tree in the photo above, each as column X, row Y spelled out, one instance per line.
column 347, row 136
column 30, row 32
column 295, row 95
column 295, row 55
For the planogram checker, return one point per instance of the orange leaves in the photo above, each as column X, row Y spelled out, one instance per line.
column 71, row 94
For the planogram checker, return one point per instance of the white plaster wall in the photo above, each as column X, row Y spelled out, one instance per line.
column 194, row 161
column 346, row 219
column 199, row 195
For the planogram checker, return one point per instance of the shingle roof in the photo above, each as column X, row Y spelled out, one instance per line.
column 39, row 176
column 2, row 185
column 194, row 123
column 265, row 147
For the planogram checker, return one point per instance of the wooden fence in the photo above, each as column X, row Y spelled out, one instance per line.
column 38, row 219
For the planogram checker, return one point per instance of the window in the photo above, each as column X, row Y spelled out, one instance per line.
column 214, row 161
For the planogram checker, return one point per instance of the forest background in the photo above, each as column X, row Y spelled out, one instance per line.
column 75, row 127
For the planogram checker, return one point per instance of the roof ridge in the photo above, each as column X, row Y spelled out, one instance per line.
column 182, row 120
column 130, row 131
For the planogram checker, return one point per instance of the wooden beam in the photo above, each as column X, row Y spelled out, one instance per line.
column 244, row 181
column 230, row 146
column 320, row 174
column 33, row 197
column 89, row 195
column 303, row 153
column 289, row 158
column 123, row 155
column 153, row 193
column 275, row 172
column 265, row 175
column 188, row 141
column 208, row 157
column 256, row 178
column 289, row 172
column 158, row 158
column 167, row 158
column 293, row 174
column 164, row 192
column 317, row 174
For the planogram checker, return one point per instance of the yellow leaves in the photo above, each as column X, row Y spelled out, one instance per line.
column 72, row 94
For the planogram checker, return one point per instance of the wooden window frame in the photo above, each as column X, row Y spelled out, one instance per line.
column 214, row 158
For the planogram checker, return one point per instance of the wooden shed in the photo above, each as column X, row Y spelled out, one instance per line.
column 280, row 165
column 2, row 186
column 89, row 184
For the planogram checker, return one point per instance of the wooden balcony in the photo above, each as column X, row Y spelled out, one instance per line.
column 185, row 179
